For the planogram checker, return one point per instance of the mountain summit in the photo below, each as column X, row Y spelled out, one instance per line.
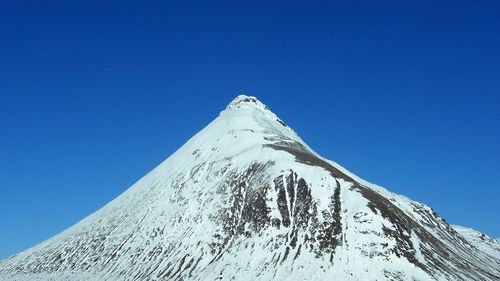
column 247, row 199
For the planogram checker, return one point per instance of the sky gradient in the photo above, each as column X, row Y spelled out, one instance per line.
column 94, row 95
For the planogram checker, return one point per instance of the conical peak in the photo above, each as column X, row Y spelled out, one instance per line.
column 250, row 114
column 248, row 108
column 243, row 101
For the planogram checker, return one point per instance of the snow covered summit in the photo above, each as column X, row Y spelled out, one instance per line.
column 247, row 199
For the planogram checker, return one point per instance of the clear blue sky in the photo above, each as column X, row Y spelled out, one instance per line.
column 93, row 95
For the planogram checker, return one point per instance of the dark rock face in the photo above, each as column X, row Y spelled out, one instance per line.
column 249, row 214
column 329, row 232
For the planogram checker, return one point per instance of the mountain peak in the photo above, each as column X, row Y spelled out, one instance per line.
column 250, row 114
column 242, row 101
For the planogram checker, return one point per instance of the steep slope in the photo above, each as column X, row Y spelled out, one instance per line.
column 481, row 241
column 247, row 199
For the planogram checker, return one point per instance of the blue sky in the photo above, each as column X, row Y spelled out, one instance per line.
column 93, row 95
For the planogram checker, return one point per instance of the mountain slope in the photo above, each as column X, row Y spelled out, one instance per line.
column 247, row 199
column 481, row 241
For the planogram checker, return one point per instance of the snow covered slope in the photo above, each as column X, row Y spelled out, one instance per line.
column 480, row 240
column 247, row 199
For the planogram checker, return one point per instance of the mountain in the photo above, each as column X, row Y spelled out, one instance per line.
column 247, row 199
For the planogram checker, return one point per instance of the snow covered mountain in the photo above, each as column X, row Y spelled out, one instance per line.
column 247, row 199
